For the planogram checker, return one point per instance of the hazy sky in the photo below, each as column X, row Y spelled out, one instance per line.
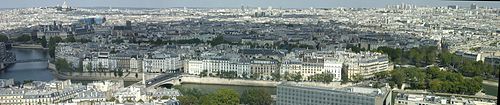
column 237, row 3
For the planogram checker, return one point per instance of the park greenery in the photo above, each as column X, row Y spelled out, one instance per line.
column 323, row 77
column 433, row 79
column 223, row 96
column 430, row 55
column 256, row 97
column 459, row 75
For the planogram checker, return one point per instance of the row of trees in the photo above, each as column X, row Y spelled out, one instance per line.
column 419, row 57
column 433, row 79
column 323, row 77
column 468, row 67
column 429, row 55
column 224, row 96
column 292, row 76
column 276, row 76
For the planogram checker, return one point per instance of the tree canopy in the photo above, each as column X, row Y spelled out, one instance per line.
column 429, row 55
column 323, row 77
column 3, row 38
column 62, row 65
column 436, row 80
column 221, row 97
column 256, row 97
column 23, row 38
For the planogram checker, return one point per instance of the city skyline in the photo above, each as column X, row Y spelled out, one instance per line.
column 239, row 3
column 249, row 52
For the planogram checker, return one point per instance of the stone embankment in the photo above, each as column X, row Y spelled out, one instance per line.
column 243, row 82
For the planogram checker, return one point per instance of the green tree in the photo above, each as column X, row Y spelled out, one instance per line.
column 188, row 100
column 255, row 76
column 120, row 72
column 112, row 99
column 221, row 97
column 3, row 38
column 256, row 97
column 382, row 75
column 23, row 38
column 53, row 44
column 398, row 77
column 357, row 78
column 204, row 73
column 323, row 77
column 165, row 97
column 43, row 41
column 297, row 77
column 70, row 39
column 276, row 76
column 80, row 67
column 287, row 76
column 89, row 67
column 62, row 65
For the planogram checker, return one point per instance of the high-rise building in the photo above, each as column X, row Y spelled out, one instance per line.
column 473, row 6
column 291, row 93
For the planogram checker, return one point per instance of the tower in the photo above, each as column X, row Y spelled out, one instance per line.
column 65, row 4
column 143, row 78
column 473, row 6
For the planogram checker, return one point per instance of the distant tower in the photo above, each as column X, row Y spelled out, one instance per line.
column 65, row 4
column 473, row 6
column 242, row 7
column 129, row 24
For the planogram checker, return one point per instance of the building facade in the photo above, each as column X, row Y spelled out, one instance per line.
column 161, row 63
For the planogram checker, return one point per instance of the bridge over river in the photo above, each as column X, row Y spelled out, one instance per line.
column 166, row 78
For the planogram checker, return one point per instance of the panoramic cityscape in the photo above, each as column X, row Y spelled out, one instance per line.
column 249, row 52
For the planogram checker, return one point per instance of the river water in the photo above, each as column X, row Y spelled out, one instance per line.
column 38, row 71
column 30, row 70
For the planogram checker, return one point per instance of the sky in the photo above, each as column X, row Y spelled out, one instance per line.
column 239, row 3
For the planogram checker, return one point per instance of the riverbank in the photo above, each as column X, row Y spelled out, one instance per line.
column 190, row 79
column 490, row 83
column 93, row 76
column 97, row 76
column 29, row 46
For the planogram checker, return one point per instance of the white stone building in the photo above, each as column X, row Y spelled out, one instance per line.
column 161, row 62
